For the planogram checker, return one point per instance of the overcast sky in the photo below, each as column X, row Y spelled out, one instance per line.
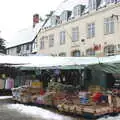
column 17, row 14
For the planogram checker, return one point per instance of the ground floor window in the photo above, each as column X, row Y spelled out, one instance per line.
column 62, row 54
column 76, row 53
column 110, row 50
column 90, row 52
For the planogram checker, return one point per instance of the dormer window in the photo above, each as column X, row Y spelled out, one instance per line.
column 55, row 20
column 110, row 1
column 77, row 11
column 65, row 15
column 92, row 4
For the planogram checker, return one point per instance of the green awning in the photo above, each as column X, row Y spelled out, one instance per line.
column 108, row 68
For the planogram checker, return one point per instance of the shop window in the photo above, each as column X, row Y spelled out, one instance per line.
column 18, row 49
column 62, row 54
column 76, row 53
column 90, row 52
column 110, row 50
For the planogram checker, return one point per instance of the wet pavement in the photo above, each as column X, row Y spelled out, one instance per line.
column 11, row 111
column 7, row 113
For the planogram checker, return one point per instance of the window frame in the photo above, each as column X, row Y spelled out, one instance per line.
column 109, row 26
column 62, row 54
column 91, row 30
column 75, row 34
column 110, row 50
column 51, row 40
column 75, row 53
column 90, row 52
column 62, row 37
column 42, row 44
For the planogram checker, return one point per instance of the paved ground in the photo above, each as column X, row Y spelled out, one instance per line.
column 7, row 114
column 11, row 114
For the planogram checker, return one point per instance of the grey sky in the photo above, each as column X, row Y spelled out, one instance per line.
column 17, row 14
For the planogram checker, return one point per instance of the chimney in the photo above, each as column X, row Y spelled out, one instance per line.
column 35, row 19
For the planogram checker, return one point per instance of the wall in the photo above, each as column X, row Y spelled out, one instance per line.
column 94, row 16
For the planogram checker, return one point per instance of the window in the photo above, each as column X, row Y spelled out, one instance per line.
column 51, row 40
column 75, row 34
column 110, row 1
column 18, row 49
column 92, row 4
column 62, row 54
column 77, row 10
column 76, row 53
column 90, row 52
column 42, row 43
column 110, row 50
column 8, row 51
column 108, row 25
column 27, row 48
column 62, row 37
column 91, row 30
column 65, row 15
column 117, row 0
column 54, row 20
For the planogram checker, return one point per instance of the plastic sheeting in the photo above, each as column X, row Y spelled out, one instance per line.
column 50, row 61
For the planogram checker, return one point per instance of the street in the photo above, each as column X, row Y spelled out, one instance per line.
column 12, row 111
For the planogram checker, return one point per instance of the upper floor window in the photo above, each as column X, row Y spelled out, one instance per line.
column 117, row 0
column 42, row 43
column 75, row 34
column 91, row 30
column 51, row 40
column 55, row 20
column 62, row 37
column 65, row 15
column 90, row 52
column 110, row 50
column 92, row 4
column 108, row 25
column 77, row 11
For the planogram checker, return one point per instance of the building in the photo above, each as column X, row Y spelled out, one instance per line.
column 82, row 29
column 24, row 41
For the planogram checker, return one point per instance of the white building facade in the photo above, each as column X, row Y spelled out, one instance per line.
column 91, row 31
